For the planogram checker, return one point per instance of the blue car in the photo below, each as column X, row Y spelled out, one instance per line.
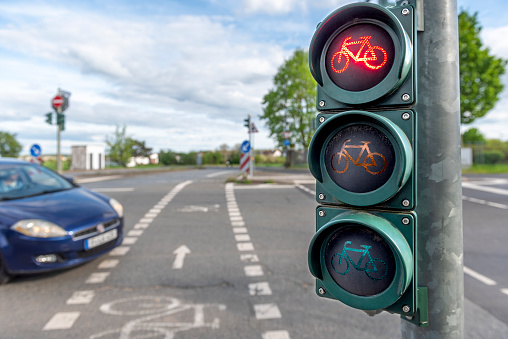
column 49, row 223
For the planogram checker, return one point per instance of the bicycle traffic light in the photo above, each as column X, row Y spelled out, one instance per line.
column 60, row 120
column 363, row 156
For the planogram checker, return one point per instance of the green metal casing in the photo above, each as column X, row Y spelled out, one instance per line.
column 399, row 23
column 402, row 134
column 397, row 229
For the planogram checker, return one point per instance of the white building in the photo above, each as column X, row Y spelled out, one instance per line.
column 88, row 157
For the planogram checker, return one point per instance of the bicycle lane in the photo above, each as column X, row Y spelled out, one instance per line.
column 144, row 295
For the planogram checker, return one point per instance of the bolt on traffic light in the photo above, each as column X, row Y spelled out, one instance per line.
column 363, row 156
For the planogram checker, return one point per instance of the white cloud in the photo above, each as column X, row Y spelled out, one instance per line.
column 273, row 7
column 179, row 82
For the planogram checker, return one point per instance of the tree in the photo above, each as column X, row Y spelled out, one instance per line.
column 119, row 146
column 291, row 104
column 480, row 72
column 473, row 137
column 9, row 146
column 138, row 148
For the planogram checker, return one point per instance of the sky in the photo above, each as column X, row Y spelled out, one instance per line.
column 180, row 75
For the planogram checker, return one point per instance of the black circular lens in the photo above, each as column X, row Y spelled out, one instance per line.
column 360, row 260
column 360, row 158
column 360, row 57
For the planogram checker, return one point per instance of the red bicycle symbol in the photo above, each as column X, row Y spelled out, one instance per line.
column 374, row 57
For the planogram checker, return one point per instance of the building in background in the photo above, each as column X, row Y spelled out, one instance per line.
column 88, row 157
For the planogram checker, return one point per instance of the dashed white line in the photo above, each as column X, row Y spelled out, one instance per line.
column 245, row 246
column 479, row 277
column 254, row 271
column 119, row 251
column 129, row 240
column 61, row 321
column 135, row 233
column 242, row 237
column 504, row 291
column 267, row 311
column 239, row 230
column 81, row 297
column 108, row 264
column 246, row 258
column 276, row 335
column 97, row 278
column 261, row 288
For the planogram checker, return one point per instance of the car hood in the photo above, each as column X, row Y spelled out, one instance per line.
column 69, row 209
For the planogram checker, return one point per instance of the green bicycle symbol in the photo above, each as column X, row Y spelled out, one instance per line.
column 376, row 269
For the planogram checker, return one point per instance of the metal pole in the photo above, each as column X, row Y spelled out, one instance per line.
column 251, row 162
column 439, row 205
column 59, row 130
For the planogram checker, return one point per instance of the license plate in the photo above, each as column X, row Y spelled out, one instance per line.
column 100, row 239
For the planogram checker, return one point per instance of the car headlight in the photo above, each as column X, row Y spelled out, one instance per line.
column 116, row 206
column 38, row 228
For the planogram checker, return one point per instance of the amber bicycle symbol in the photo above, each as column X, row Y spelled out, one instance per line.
column 373, row 271
column 374, row 163
column 366, row 53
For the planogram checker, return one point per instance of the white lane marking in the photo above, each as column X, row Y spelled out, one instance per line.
column 245, row 246
column 238, row 218
column 141, row 226
column 135, row 233
column 494, row 190
column 61, row 321
column 146, row 220
column 155, row 210
column 211, row 175
column 81, row 297
column 239, row 230
column 97, row 278
column 253, row 271
column 247, row 258
column 108, row 264
column 303, row 188
column 180, row 252
column 504, row 290
column 479, row 277
column 151, row 215
column 264, row 186
column 242, row 237
column 238, row 224
column 267, row 311
column 260, row 288
column 485, row 202
column 97, row 179
column 129, row 240
column 110, row 190
column 119, row 251
column 276, row 335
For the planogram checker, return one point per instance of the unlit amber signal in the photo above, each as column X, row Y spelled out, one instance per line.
column 369, row 57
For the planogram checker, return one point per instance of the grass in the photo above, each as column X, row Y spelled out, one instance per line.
column 486, row 169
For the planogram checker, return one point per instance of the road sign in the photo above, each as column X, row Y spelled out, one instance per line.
column 253, row 128
column 57, row 101
column 245, row 162
column 245, row 148
column 35, row 150
column 287, row 142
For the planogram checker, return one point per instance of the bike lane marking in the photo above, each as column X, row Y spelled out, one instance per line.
column 244, row 244
column 65, row 320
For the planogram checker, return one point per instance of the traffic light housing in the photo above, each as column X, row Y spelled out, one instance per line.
column 363, row 156
column 49, row 118
column 247, row 122
column 60, row 119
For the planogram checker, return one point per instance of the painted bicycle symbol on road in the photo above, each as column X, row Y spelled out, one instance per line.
column 374, row 57
column 374, row 163
column 162, row 317
column 376, row 269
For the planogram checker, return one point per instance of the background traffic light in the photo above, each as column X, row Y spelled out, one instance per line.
column 363, row 156
column 60, row 120
column 49, row 118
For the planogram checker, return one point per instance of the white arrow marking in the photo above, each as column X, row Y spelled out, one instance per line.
column 180, row 252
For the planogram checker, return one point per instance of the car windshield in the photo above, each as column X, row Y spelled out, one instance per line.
column 24, row 180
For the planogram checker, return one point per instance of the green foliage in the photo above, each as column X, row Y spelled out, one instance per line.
column 9, row 146
column 172, row 158
column 473, row 137
column 480, row 72
column 212, row 158
column 493, row 156
column 120, row 146
column 138, row 148
column 291, row 104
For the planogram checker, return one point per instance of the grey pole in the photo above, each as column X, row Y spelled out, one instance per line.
column 59, row 130
column 439, row 205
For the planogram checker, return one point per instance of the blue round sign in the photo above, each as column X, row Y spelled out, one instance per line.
column 245, row 148
column 287, row 142
column 35, row 150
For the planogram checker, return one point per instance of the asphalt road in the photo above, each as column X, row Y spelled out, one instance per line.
column 207, row 259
